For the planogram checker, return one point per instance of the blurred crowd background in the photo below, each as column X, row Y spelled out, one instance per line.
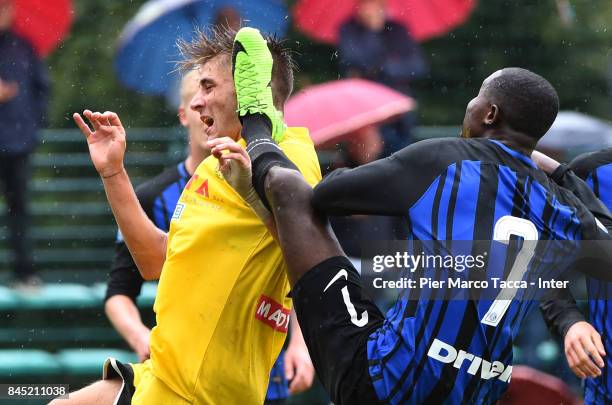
column 571, row 48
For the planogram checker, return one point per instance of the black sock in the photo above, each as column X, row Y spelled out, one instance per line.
column 264, row 153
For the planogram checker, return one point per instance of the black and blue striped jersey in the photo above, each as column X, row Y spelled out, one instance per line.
column 431, row 349
column 596, row 169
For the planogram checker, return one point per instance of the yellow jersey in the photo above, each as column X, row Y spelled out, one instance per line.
column 222, row 309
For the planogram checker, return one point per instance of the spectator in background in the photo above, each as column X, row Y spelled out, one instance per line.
column 23, row 101
column 158, row 197
column 363, row 146
column 376, row 48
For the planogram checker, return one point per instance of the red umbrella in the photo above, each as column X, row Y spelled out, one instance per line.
column 321, row 19
column 44, row 23
column 337, row 108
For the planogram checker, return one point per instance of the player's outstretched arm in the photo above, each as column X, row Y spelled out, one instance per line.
column 560, row 311
column 125, row 317
column 298, row 365
column 123, row 288
column 106, row 144
column 583, row 347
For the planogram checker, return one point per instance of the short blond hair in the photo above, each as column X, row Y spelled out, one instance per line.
column 219, row 41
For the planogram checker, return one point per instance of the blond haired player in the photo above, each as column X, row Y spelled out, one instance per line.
column 222, row 307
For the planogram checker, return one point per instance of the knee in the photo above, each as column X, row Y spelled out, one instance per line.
column 287, row 187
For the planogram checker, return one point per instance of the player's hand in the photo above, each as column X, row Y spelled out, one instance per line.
column 8, row 91
column 299, row 370
column 142, row 345
column 235, row 166
column 234, row 163
column 584, row 350
column 106, row 142
column 545, row 163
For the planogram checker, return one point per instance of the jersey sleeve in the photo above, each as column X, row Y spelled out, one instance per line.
column 560, row 311
column 124, row 277
column 583, row 165
column 387, row 186
column 595, row 258
column 566, row 178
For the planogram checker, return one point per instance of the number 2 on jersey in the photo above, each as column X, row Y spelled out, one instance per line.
column 505, row 227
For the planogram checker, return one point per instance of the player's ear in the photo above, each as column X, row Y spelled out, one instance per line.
column 182, row 117
column 492, row 116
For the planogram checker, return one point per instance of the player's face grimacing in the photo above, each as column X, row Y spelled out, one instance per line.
column 215, row 99
column 189, row 118
column 477, row 112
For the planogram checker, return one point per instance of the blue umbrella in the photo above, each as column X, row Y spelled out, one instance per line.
column 147, row 52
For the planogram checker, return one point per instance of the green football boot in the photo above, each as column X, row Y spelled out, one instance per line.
column 252, row 70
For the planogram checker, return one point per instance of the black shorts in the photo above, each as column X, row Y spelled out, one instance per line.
column 114, row 369
column 336, row 322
